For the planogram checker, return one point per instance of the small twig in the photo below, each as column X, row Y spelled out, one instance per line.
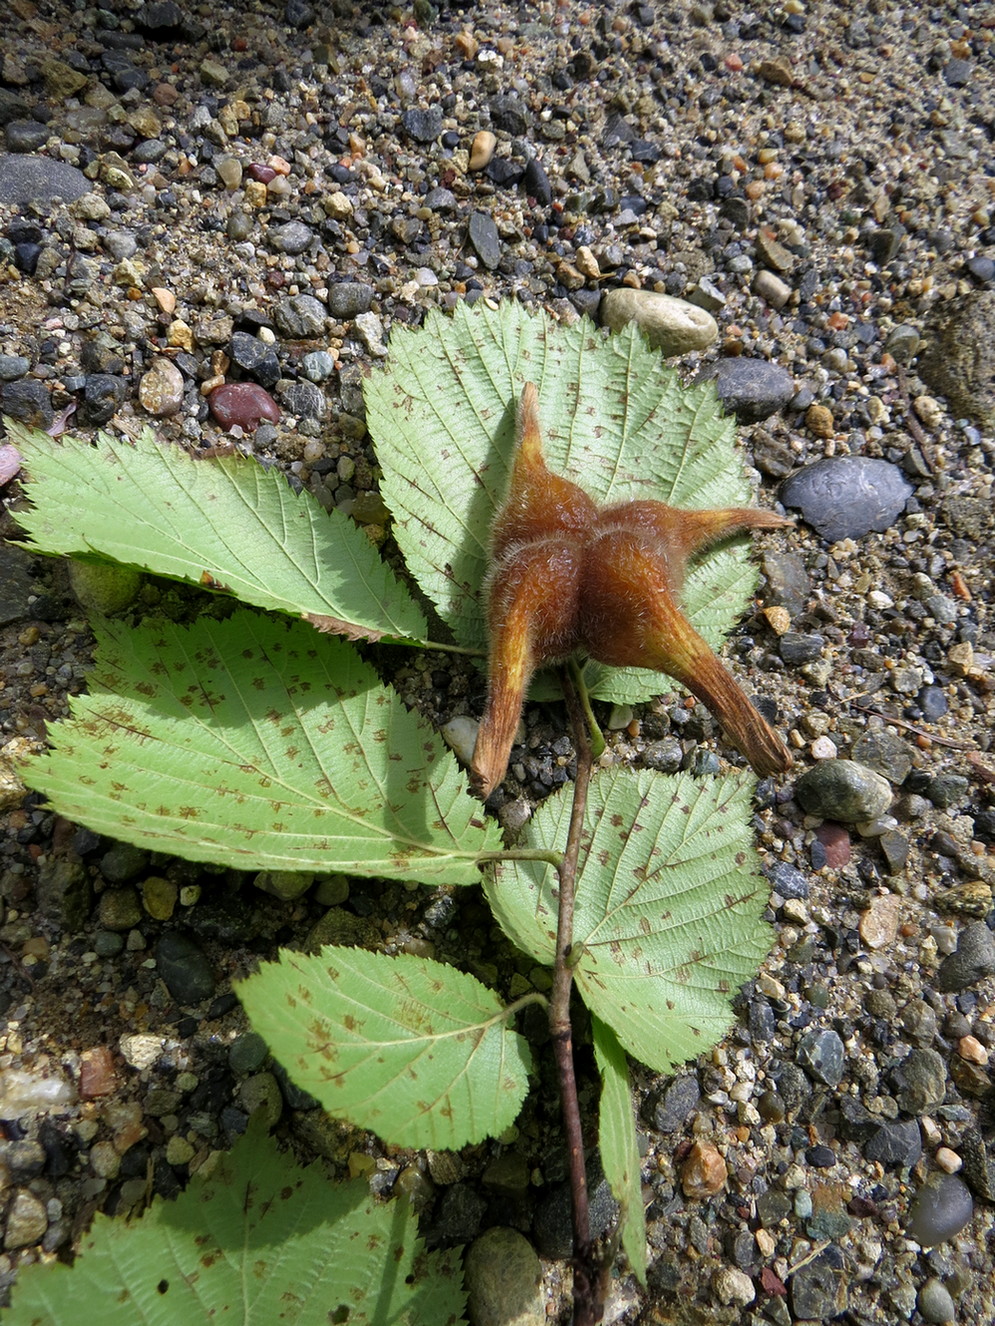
column 588, row 1308
column 919, row 731
column 914, row 427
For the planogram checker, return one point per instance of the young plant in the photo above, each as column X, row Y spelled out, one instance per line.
column 273, row 746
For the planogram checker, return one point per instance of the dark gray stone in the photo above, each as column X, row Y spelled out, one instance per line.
column 347, row 299
column 27, row 400
column 510, row 116
column 16, row 583
column 102, row 395
column 843, row 790
column 184, row 968
column 819, row 1287
column 751, row 389
column 553, row 1224
column 26, row 135
column 947, row 790
column 536, row 183
column 25, row 179
column 796, row 648
column 13, row 367
column 424, row 126
column 675, row 1104
column 441, row 200
column 788, row 881
column 788, row 582
column 485, row 239
column 255, row 358
column 845, row 497
column 940, row 1210
column 305, row 400
column 822, row 1055
column 972, row 960
column 300, row 317
column 122, row 863
column 933, row 702
column 898, row 1143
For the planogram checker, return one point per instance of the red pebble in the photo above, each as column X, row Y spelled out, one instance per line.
column 243, row 404
column 835, row 842
column 96, row 1073
column 257, row 171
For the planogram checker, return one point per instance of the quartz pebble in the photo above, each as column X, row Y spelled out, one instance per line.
column 672, row 326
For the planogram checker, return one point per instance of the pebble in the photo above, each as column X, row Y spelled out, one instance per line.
column 96, row 1073
column 846, row 497
column 27, row 1221
column 818, row 1288
column 821, row 1053
column 732, row 1286
column 423, row 125
column 292, row 237
column 26, row 179
column 973, row 959
column 935, row 1303
column 483, row 235
column 704, row 1171
column 771, row 289
column 879, row 924
column 482, row 149
column 242, row 405
column 832, row 846
column 300, row 317
column 843, row 790
column 28, row 402
column 751, row 389
column 502, row 1277
column 672, row 326
column 898, row 1143
column 940, row 1210
column 675, row 1104
column 886, row 754
column 184, row 968
column 920, row 1081
column 347, row 299
column 255, row 357
column 370, row 331
column 460, row 735
column 160, row 390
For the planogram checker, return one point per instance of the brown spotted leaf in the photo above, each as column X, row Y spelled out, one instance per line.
column 226, row 524
column 259, row 744
column 416, row 1051
column 256, row 1241
column 668, row 921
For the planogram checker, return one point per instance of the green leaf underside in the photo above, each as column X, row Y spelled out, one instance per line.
column 259, row 744
column 416, row 1051
column 617, row 1144
column 668, row 913
column 260, row 1241
column 224, row 523
column 616, row 418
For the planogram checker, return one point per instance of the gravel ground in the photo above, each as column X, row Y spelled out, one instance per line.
column 195, row 195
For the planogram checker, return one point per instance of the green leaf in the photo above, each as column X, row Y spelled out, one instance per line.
column 259, row 744
column 416, row 1051
column 257, row 1242
column 617, row 1144
column 668, row 916
column 617, row 419
column 225, row 524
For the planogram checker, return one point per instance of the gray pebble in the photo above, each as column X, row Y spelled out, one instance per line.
column 102, row 395
column 305, row 400
column 424, row 126
column 441, row 200
column 886, row 754
column 292, row 238
column 184, row 968
column 509, row 115
column 898, row 1143
column 318, row 365
column 941, row 1208
column 255, row 358
column 947, row 790
column 771, row 289
column 672, row 326
column 788, row 881
column 796, row 648
column 369, row 329
column 26, row 135
column 788, row 582
column 665, row 755
column 843, row 790
column 678, row 1100
column 346, row 299
column 921, row 1081
column 300, row 317
column 751, row 389
column 845, row 497
column 24, row 179
column 13, row 366
column 484, row 237
column 819, row 1287
column 247, row 1053
column 971, row 961
column 935, row 1303
column 122, row 863
column 27, row 1221
column 822, row 1055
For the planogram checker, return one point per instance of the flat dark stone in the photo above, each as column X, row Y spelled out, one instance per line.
column 536, row 183
column 485, row 239
column 424, row 126
column 751, row 389
column 845, row 497
column 25, row 179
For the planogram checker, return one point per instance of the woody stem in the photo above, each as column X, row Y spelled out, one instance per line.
column 587, row 1308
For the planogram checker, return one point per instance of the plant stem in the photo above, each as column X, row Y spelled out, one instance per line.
column 597, row 740
column 587, row 1305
